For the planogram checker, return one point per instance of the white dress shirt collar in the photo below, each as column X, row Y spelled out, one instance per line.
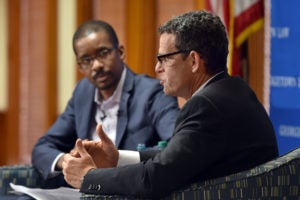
column 204, row 84
column 115, row 98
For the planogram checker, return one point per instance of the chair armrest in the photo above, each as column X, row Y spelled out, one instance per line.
column 18, row 174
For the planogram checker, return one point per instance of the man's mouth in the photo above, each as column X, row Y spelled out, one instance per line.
column 100, row 77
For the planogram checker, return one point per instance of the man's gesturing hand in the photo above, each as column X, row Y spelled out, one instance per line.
column 103, row 152
column 75, row 168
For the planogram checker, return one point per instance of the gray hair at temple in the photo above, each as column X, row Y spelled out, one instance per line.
column 203, row 32
column 94, row 26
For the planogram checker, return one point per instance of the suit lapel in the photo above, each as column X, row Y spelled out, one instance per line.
column 123, row 108
column 86, row 113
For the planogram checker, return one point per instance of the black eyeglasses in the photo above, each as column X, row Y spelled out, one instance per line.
column 87, row 61
column 160, row 57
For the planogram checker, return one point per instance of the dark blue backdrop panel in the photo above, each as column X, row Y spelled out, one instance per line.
column 287, row 126
column 285, row 98
column 285, row 73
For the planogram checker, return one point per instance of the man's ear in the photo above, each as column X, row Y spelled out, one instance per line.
column 122, row 52
column 197, row 62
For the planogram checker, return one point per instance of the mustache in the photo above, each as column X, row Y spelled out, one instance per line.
column 98, row 73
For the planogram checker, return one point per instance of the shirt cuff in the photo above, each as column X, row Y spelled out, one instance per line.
column 127, row 157
column 53, row 172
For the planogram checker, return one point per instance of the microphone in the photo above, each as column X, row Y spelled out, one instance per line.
column 119, row 113
column 102, row 115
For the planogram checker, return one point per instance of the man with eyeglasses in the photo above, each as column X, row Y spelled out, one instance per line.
column 221, row 129
column 132, row 108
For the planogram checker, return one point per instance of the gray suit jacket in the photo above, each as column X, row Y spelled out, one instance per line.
column 221, row 130
column 146, row 115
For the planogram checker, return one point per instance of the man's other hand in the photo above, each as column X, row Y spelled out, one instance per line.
column 75, row 168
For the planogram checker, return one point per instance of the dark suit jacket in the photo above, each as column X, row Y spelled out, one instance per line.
column 146, row 115
column 222, row 129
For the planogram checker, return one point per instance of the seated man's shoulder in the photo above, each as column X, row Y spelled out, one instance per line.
column 146, row 81
column 84, row 84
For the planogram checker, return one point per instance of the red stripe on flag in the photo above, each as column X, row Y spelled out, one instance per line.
column 247, row 17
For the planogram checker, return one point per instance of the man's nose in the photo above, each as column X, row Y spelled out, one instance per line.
column 97, row 64
column 158, row 67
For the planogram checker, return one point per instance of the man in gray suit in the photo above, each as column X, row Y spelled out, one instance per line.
column 132, row 108
column 221, row 129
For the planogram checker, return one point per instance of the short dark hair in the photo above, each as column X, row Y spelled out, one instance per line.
column 203, row 32
column 94, row 26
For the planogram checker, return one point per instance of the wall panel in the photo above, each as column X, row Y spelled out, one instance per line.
column 141, row 30
column 32, row 75
column 113, row 12
column 168, row 8
column 256, row 61
column 67, row 68
column 11, row 143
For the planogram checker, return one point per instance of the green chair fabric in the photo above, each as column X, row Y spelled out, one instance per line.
column 18, row 174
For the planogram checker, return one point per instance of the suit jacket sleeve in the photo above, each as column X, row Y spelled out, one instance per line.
column 57, row 139
column 61, row 136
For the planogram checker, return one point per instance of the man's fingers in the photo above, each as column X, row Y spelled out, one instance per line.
column 80, row 148
column 101, row 134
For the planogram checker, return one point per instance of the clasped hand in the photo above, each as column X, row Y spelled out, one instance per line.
column 88, row 155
